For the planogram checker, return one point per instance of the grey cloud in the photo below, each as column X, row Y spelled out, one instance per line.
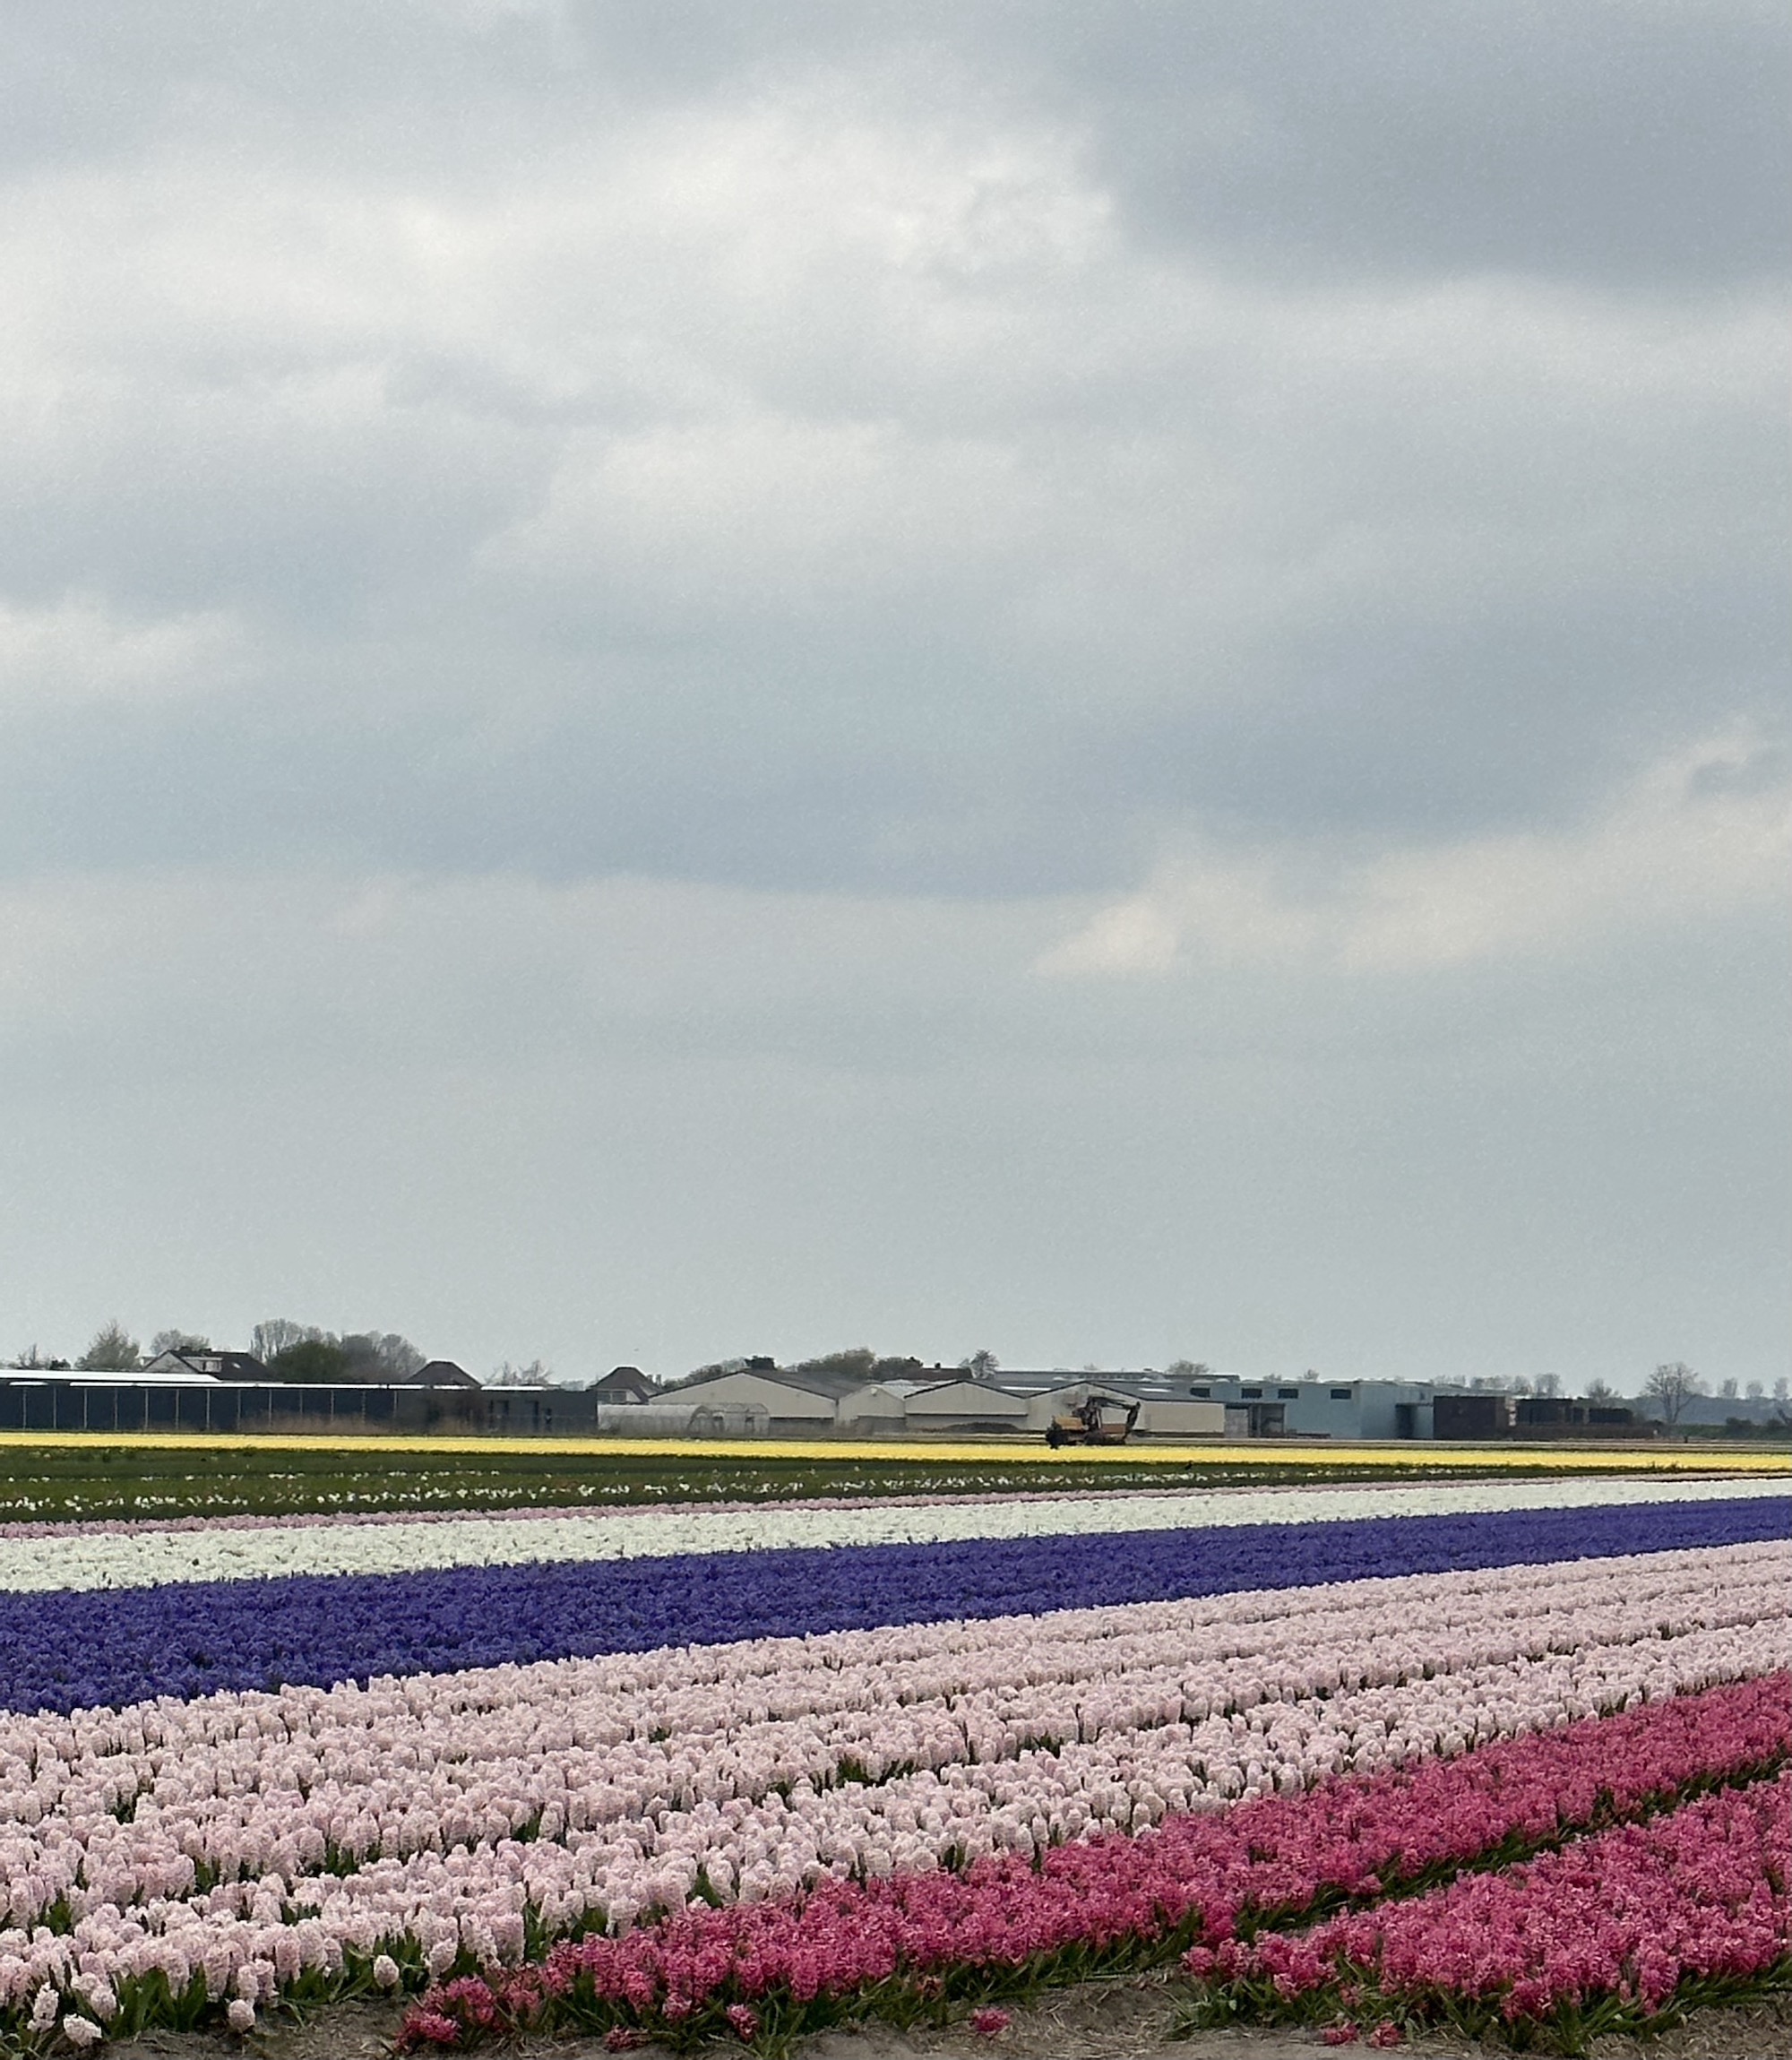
column 1642, row 146
column 1636, row 143
column 882, row 486
column 669, row 1121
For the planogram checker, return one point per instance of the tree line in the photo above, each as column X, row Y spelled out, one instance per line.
column 290, row 1351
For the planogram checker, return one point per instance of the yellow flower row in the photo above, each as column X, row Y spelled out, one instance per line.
column 1571, row 1458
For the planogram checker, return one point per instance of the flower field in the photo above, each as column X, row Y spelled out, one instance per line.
column 117, row 1478
column 1500, row 1752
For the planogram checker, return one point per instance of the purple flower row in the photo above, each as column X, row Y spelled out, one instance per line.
column 72, row 1650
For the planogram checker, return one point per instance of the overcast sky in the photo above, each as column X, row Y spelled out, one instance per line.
column 1106, row 681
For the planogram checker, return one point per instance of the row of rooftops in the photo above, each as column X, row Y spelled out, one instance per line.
column 241, row 1369
column 1028, row 1383
column 1001, row 1393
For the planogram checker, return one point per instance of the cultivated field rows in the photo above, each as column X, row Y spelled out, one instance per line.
column 470, row 1812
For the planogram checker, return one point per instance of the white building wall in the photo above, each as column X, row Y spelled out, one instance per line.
column 779, row 1400
column 875, row 1406
column 964, row 1403
column 1184, row 1419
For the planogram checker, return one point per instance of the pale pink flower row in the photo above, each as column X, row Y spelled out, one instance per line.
column 847, row 1943
column 645, row 1774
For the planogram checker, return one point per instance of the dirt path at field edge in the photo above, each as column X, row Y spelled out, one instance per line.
column 1108, row 2020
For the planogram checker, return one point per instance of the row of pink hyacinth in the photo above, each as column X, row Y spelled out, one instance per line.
column 852, row 1947
column 1609, row 1928
column 250, row 1784
column 254, row 1838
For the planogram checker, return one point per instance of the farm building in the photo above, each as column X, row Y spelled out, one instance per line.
column 877, row 1405
column 440, row 1374
column 626, row 1385
column 195, row 1364
column 781, row 1401
column 964, row 1405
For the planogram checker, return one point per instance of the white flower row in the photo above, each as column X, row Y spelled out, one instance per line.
column 439, row 1809
column 151, row 1559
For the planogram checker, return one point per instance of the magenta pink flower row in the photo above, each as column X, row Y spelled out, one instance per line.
column 1631, row 1915
column 1273, row 1858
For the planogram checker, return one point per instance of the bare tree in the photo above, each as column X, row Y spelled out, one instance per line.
column 399, row 1356
column 1671, row 1387
column 1601, row 1391
column 113, row 1351
column 279, row 1335
column 178, row 1341
column 535, row 1374
column 1549, row 1383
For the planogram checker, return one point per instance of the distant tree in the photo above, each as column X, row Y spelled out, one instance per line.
column 708, row 1372
column 113, row 1351
column 1779, row 1389
column 1601, row 1391
column 859, row 1363
column 981, row 1364
column 1671, row 1387
column 317, row 1361
column 279, row 1334
column 399, row 1356
column 1755, row 1392
column 1726, row 1390
column 1187, row 1369
column 31, row 1360
column 1549, row 1383
column 376, row 1358
column 854, row 1362
column 178, row 1341
column 379, row 1356
column 360, row 1356
column 535, row 1374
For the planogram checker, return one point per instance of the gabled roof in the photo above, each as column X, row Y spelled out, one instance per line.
column 624, row 1381
column 833, row 1386
column 441, row 1374
column 195, row 1364
column 971, row 1394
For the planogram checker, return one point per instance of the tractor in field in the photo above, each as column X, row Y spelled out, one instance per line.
column 1098, row 1420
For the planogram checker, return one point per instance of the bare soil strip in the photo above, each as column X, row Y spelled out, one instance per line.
column 1101, row 2020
